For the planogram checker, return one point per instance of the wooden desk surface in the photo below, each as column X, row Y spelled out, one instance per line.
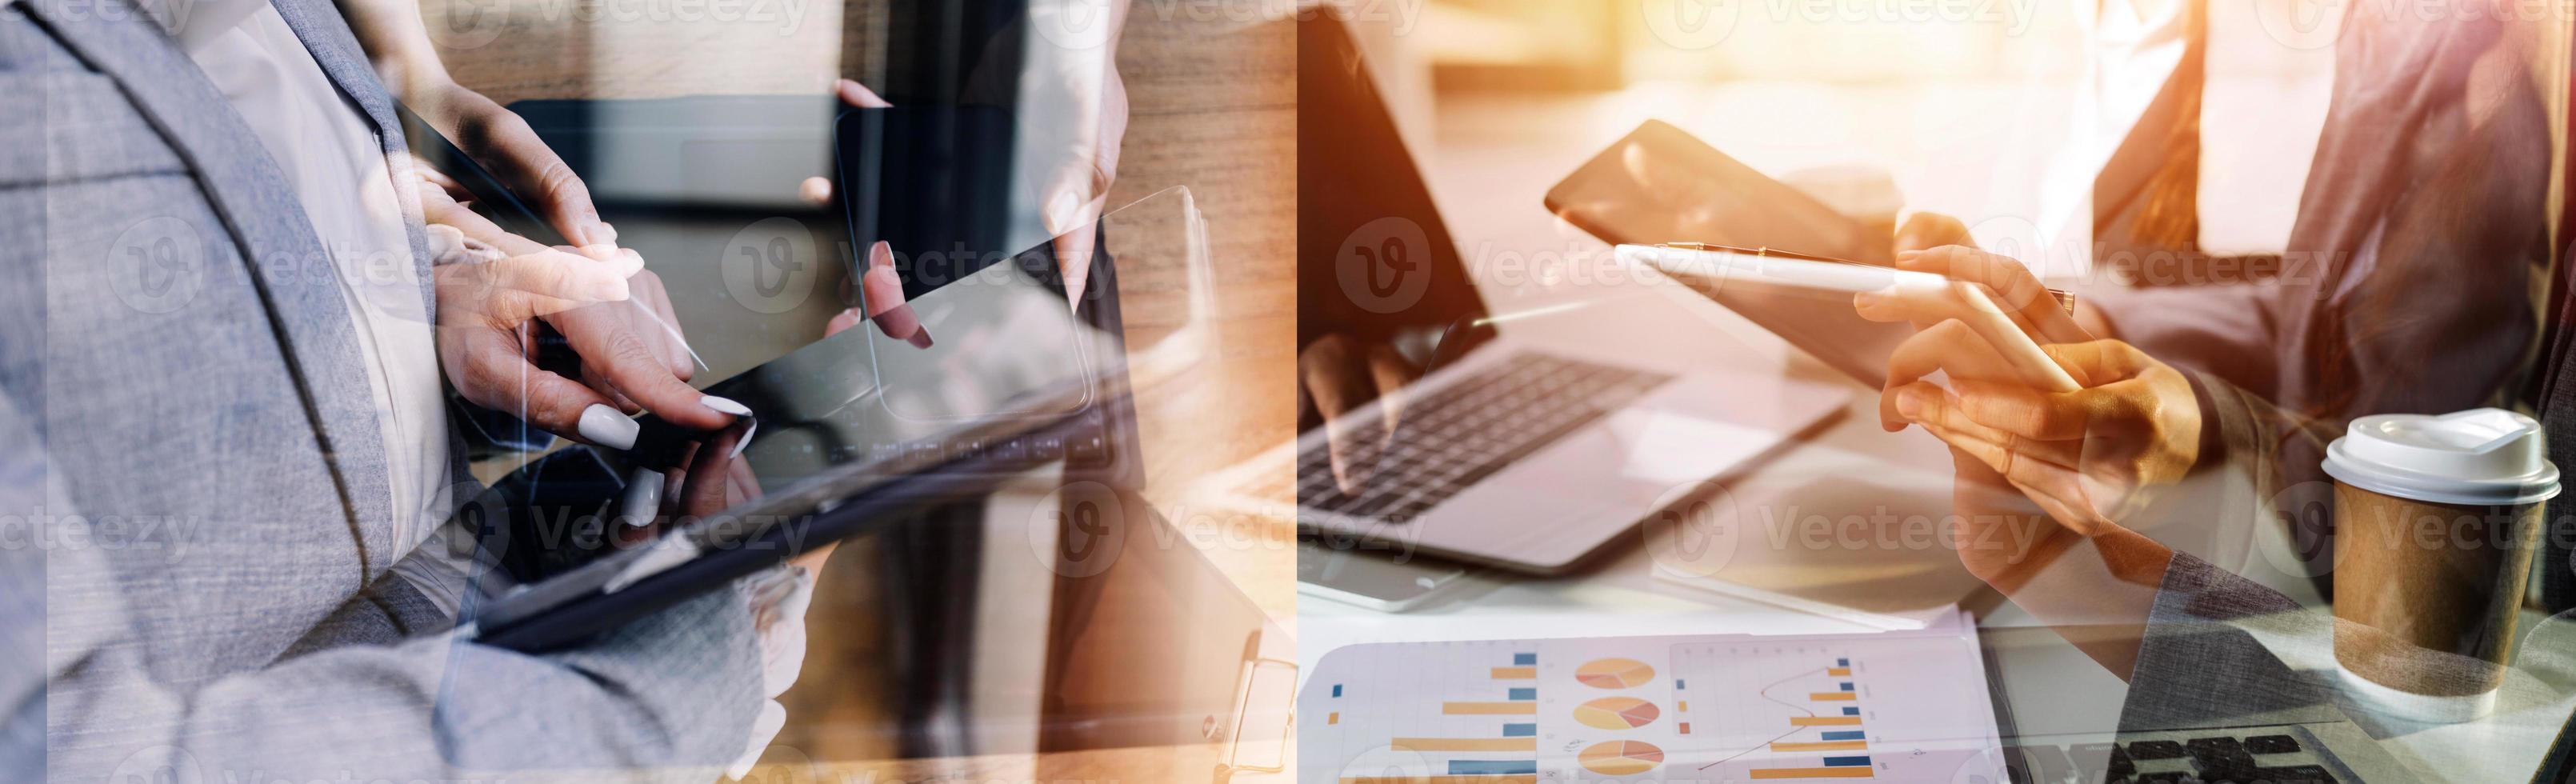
column 1212, row 107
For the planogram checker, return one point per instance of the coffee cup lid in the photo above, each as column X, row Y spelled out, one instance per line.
column 2485, row 456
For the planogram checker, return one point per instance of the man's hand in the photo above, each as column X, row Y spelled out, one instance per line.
column 2090, row 457
column 1340, row 374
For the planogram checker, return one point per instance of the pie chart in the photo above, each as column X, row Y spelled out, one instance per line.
column 1621, row 757
column 1617, row 713
column 1614, row 673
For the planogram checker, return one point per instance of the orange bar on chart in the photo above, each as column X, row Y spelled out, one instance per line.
column 1515, row 673
column 1811, row 773
column 1838, row 671
column 1465, row 744
column 1824, row 721
column 1830, row 745
column 1833, row 696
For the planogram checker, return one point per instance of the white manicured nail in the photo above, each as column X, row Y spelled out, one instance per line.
column 643, row 498
column 724, row 405
column 606, row 427
column 745, row 440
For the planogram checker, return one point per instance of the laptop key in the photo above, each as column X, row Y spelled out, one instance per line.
column 2155, row 750
column 2272, row 744
column 2300, row 774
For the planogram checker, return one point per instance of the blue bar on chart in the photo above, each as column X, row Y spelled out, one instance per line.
column 1851, row 711
column 1841, row 735
column 1842, row 662
column 1524, row 659
column 1520, row 730
column 1677, row 684
column 1519, row 695
column 1337, row 690
column 1847, row 686
column 1496, row 767
column 1846, row 762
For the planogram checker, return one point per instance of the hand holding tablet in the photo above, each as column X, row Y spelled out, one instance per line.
column 1964, row 332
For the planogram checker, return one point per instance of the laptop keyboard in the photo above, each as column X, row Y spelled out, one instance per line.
column 1455, row 436
column 2259, row 756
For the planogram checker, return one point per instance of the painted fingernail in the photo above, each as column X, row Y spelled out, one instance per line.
column 604, row 426
column 920, row 337
column 745, row 440
column 643, row 498
column 724, row 405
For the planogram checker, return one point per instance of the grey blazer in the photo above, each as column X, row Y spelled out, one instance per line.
column 194, row 514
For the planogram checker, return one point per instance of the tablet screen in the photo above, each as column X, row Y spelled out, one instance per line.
column 1005, row 349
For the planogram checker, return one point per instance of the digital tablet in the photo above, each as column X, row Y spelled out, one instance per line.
column 1660, row 185
column 856, row 430
column 1712, row 271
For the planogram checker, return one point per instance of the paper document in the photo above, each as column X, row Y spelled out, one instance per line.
column 1895, row 706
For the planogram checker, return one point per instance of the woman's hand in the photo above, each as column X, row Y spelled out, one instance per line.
column 492, row 286
column 503, row 144
column 1076, row 189
column 2091, row 457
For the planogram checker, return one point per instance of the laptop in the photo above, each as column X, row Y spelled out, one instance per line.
column 2063, row 722
column 1508, row 452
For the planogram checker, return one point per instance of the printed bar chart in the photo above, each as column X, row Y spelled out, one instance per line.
column 1829, row 745
column 1716, row 708
column 1465, row 744
column 1812, row 773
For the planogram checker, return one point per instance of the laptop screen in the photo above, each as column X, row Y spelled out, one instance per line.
column 1375, row 264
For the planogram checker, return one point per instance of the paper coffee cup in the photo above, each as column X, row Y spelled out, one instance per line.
column 2436, row 519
